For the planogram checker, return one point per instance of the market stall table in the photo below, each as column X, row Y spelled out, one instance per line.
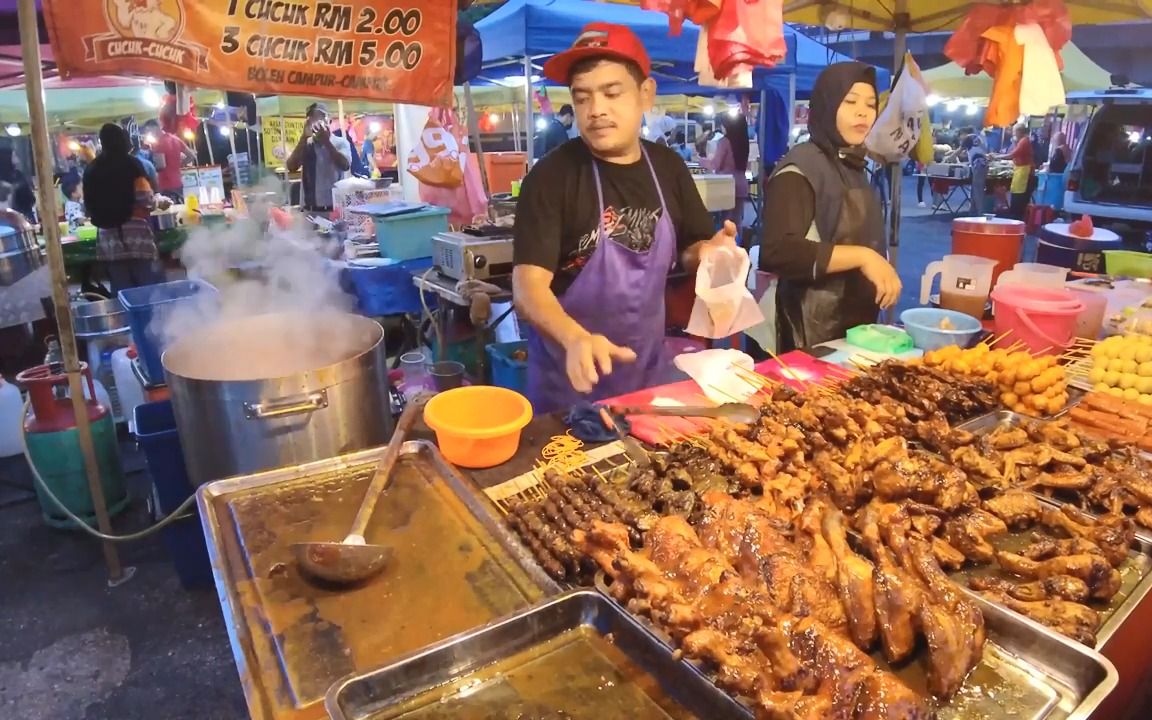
column 945, row 188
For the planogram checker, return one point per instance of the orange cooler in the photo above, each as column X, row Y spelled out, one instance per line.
column 998, row 239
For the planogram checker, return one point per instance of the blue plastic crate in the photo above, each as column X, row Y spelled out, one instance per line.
column 387, row 289
column 142, row 304
column 507, row 372
column 158, row 438
column 409, row 235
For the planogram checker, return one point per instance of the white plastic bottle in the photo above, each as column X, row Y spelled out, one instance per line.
column 128, row 386
column 11, row 419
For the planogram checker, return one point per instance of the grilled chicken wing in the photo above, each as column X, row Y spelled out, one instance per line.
column 1103, row 580
column 1072, row 619
column 854, row 581
column 1058, row 587
column 969, row 534
column 1112, row 534
column 898, row 595
column 1016, row 508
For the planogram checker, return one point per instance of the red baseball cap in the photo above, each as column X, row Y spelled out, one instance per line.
column 599, row 40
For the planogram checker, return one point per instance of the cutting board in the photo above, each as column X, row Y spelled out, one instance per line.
column 660, row 430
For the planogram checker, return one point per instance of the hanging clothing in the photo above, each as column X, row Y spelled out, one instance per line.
column 707, row 78
column 746, row 35
column 1003, row 60
column 1041, row 87
column 619, row 294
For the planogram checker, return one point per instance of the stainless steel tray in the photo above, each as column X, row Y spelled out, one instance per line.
column 577, row 656
column 454, row 567
column 1136, row 571
column 1027, row 672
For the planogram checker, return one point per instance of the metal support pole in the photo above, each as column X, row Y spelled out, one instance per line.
column 474, row 131
column 896, row 177
column 529, row 123
column 34, row 86
column 515, row 128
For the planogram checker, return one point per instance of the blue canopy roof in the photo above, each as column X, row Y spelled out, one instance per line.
column 545, row 27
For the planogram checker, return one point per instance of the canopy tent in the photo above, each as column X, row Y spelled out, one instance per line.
column 88, row 107
column 533, row 28
column 1080, row 73
column 932, row 15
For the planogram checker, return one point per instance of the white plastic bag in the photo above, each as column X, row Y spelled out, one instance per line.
column 723, row 305
column 896, row 131
column 715, row 372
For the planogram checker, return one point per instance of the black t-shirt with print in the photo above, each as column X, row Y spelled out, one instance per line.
column 556, row 214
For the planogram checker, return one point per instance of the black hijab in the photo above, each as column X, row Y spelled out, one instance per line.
column 831, row 88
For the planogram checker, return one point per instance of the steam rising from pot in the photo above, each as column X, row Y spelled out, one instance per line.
column 284, row 273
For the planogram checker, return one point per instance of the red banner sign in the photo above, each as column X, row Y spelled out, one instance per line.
column 395, row 50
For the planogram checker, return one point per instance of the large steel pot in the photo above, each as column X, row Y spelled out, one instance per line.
column 161, row 221
column 94, row 318
column 278, row 389
column 15, row 265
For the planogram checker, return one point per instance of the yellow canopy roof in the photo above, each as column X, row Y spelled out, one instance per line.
column 931, row 15
column 1080, row 73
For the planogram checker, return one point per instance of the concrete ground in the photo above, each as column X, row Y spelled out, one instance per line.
column 73, row 648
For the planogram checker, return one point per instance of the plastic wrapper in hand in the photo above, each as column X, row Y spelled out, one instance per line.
column 723, row 306
column 715, row 371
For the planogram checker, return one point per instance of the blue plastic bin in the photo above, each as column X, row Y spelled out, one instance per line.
column 409, row 235
column 387, row 289
column 142, row 303
column 158, row 438
column 508, row 372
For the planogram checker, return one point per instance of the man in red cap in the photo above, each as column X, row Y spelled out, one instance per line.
column 599, row 223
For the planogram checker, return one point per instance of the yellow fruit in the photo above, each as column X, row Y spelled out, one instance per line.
column 1100, row 387
column 1144, row 384
column 1128, row 380
column 1096, row 375
column 1130, row 366
column 1131, row 394
column 1111, row 378
column 1116, row 365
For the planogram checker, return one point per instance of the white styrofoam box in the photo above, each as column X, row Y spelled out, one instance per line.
column 360, row 226
column 717, row 191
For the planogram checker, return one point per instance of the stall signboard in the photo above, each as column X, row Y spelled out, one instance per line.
column 207, row 177
column 391, row 50
column 280, row 136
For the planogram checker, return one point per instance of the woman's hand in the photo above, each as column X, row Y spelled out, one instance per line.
column 881, row 274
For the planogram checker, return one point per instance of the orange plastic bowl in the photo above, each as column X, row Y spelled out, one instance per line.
column 478, row 426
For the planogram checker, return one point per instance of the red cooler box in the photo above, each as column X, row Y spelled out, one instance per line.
column 999, row 239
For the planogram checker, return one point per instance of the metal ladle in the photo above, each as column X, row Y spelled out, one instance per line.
column 352, row 560
column 740, row 413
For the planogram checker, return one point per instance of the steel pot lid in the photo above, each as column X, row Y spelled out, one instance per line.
column 271, row 346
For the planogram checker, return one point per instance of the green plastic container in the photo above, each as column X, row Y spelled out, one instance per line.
column 61, row 465
column 880, row 338
column 1128, row 263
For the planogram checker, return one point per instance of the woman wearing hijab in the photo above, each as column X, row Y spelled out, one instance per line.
column 731, row 158
column 118, row 199
column 21, row 199
column 824, row 229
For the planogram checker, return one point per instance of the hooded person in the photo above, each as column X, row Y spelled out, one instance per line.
column 118, row 198
column 824, row 237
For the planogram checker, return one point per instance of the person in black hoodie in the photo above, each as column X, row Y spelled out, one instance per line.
column 824, row 227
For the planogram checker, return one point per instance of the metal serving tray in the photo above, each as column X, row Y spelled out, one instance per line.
column 1027, row 672
column 1136, row 572
column 454, row 567
column 577, row 656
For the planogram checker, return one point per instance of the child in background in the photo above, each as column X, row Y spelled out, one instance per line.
column 73, row 191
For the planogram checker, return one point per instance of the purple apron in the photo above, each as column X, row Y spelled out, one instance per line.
column 619, row 294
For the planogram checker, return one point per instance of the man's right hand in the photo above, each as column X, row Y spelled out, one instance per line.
column 589, row 357
column 881, row 274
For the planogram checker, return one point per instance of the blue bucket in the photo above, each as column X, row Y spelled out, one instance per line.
column 142, row 304
column 923, row 324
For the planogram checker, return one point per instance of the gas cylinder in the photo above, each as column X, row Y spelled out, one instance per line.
column 54, row 445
